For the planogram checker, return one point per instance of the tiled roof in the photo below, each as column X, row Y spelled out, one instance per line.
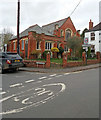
column 35, row 28
column 46, row 29
column 96, row 28
column 50, row 27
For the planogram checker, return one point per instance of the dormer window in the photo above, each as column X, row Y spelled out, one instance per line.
column 56, row 26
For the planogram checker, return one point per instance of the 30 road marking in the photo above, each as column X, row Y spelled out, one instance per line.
column 28, row 81
column 15, row 85
column 42, row 78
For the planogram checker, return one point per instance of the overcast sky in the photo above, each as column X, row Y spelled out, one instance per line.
column 42, row 12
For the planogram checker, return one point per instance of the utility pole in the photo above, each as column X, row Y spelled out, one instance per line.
column 18, row 23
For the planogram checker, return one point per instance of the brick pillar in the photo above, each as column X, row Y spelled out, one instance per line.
column 64, row 60
column 98, row 56
column 84, row 57
column 48, row 60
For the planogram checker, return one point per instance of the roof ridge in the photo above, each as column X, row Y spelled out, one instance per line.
column 54, row 22
column 33, row 25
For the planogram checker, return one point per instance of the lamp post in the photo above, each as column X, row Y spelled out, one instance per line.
column 18, row 23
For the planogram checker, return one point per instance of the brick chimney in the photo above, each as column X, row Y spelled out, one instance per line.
column 90, row 24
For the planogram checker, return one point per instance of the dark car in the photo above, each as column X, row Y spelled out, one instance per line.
column 10, row 61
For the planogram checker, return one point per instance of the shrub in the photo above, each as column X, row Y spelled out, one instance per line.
column 36, row 53
column 44, row 54
column 54, row 49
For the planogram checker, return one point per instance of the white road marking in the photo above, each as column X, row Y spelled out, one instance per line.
column 76, row 72
column 24, row 101
column 42, row 78
column 37, row 103
column 15, row 85
column 0, row 88
column 53, row 75
column 66, row 73
column 58, row 75
column 28, row 81
column 2, row 93
column 49, row 78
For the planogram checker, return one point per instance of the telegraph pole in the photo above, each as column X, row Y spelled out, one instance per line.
column 18, row 23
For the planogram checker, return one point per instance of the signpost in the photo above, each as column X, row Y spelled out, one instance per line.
column 85, row 46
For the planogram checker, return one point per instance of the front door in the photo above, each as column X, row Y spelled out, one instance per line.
column 26, row 49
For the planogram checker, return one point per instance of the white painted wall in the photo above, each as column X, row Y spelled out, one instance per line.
column 96, row 41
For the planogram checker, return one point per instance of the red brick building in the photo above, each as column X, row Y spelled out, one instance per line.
column 40, row 39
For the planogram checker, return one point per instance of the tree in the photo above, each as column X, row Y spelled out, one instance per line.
column 75, row 43
column 61, row 50
column 7, row 34
column 83, row 32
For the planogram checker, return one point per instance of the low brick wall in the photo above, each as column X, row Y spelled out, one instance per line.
column 92, row 61
column 89, row 62
column 33, row 63
column 74, row 64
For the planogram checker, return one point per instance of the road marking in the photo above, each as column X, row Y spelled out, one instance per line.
column 2, row 93
column 28, row 81
column 42, row 78
column 76, row 72
column 66, row 73
column 58, row 75
column 28, row 100
column 0, row 88
column 53, row 75
column 15, row 85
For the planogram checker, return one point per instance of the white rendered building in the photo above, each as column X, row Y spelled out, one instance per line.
column 94, row 37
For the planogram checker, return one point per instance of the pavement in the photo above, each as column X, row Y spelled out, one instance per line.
column 60, row 70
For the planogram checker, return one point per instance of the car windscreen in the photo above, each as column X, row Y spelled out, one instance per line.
column 13, row 55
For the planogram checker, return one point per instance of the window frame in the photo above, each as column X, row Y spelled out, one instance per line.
column 14, row 45
column 22, row 45
column 38, row 47
column 48, row 45
column 92, row 34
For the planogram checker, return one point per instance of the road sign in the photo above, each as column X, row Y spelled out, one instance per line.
column 86, row 40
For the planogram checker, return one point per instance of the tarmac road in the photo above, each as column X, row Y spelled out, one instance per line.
column 50, row 95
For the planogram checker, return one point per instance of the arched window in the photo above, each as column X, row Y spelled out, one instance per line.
column 67, row 34
column 61, row 33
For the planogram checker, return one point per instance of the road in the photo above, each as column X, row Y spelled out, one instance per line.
column 41, row 95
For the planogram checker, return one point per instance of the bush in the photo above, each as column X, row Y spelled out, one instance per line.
column 54, row 49
column 61, row 50
column 44, row 54
column 36, row 53
column 69, row 57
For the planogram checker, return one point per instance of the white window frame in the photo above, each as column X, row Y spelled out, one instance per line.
column 39, row 45
column 22, row 44
column 14, row 45
column 49, row 45
column 65, row 48
column 92, row 36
